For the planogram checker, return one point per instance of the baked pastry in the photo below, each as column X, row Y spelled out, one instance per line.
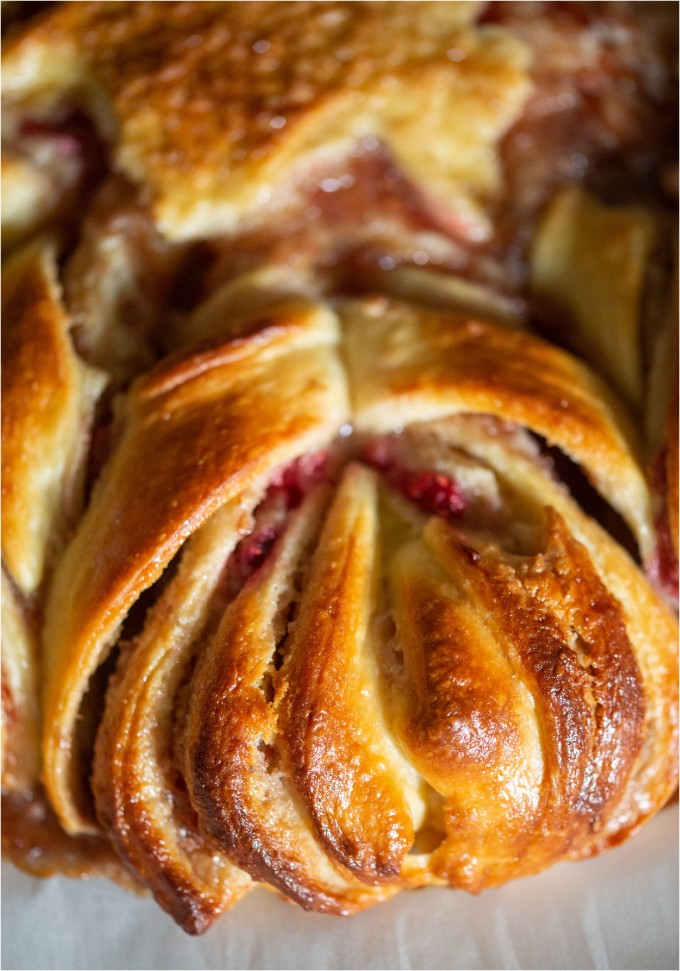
column 587, row 255
column 338, row 591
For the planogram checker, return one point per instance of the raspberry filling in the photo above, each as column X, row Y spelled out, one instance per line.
column 435, row 493
column 663, row 565
column 63, row 142
column 73, row 137
column 289, row 486
column 69, row 156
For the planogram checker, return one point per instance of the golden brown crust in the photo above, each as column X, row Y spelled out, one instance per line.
column 197, row 431
column 48, row 397
column 583, row 673
column 589, row 267
column 506, row 812
column 20, row 684
column 233, row 743
column 523, row 703
column 651, row 626
column 290, row 779
column 140, row 800
column 409, row 365
column 335, row 750
column 214, row 104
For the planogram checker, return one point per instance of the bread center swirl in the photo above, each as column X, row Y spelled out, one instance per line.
column 347, row 711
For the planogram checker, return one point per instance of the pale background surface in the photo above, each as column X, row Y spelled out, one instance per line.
column 618, row 911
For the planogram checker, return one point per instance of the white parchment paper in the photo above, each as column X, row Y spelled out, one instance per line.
column 617, row 911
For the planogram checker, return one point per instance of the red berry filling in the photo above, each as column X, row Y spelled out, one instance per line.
column 288, row 488
column 435, row 493
column 74, row 141
column 663, row 566
column 252, row 551
column 296, row 479
column 65, row 142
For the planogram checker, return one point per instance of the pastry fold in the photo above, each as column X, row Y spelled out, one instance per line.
column 139, row 796
column 238, row 736
column 409, row 365
column 590, row 268
column 48, row 400
column 197, row 431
